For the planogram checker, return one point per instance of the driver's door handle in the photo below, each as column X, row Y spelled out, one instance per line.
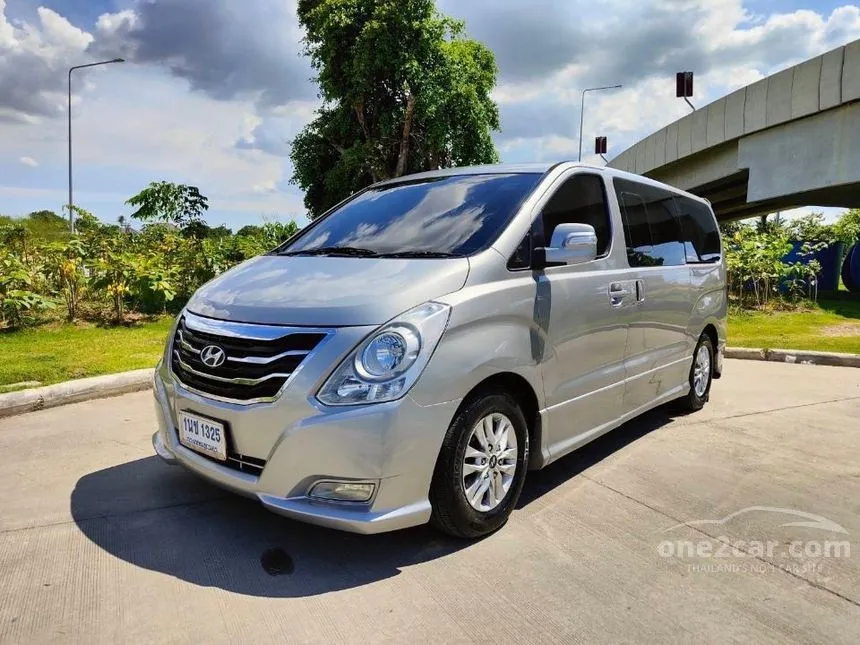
column 617, row 292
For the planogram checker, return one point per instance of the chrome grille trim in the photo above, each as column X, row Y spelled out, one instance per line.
column 245, row 331
column 222, row 379
column 263, row 360
column 184, row 343
column 245, row 341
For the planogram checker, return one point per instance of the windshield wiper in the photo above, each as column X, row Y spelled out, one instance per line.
column 347, row 251
column 419, row 254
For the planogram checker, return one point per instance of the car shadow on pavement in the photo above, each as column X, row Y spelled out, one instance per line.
column 165, row 519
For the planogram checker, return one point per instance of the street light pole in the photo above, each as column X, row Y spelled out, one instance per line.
column 71, row 69
column 582, row 110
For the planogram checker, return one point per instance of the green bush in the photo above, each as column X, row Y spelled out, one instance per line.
column 107, row 270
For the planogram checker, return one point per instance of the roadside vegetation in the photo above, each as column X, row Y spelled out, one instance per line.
column 113, row 273
column 775, row 303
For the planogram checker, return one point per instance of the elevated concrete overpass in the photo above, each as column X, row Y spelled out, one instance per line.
column 791, row 139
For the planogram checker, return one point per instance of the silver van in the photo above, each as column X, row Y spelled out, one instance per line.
column 411, row 354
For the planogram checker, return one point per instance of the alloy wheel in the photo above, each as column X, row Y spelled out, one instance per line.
column 702, row 371
column 490, row 462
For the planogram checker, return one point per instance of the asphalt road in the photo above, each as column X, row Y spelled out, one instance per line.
column 102, row 543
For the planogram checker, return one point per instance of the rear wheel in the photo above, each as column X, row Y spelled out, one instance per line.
column 701, row 376
column 481, row 467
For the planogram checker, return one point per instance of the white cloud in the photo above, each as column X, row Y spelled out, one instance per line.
column 33, row 62
column 29, row 161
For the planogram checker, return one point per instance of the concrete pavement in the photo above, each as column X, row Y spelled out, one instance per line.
column 102, row 543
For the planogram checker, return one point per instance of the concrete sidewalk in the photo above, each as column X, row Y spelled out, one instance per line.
column 102, row 543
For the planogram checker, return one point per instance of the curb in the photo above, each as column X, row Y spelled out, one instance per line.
column 804, row 357
column 96, row 387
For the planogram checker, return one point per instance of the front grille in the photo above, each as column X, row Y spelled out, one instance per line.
column 253, row 369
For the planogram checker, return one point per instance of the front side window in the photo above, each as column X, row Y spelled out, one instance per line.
column 651, row 225
column 581, row 199
column 442, row 216
column 699, row 231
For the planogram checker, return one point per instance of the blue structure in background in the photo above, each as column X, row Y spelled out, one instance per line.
column 851, row 269
column 830, row 259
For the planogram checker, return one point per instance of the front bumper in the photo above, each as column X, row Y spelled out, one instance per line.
column 392, row 445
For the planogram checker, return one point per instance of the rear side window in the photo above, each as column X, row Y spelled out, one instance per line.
column 636, row 231
column 651, row 226
column 581, row 199
column 699, row 231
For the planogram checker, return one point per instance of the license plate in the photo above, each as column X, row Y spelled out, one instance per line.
column 203, row 435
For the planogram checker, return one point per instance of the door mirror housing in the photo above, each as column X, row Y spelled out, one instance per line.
column 570, row 244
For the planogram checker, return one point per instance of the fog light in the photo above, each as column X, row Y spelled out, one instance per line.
column 342, row 491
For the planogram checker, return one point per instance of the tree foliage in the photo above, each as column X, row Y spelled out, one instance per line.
column 403, row 89
column 106, row 270
column 847, row 227
column 164, row 201
column 756, row 258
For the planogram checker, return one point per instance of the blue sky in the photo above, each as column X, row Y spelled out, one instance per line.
column 214, row 89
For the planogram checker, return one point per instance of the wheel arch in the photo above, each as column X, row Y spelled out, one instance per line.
column 523, row 392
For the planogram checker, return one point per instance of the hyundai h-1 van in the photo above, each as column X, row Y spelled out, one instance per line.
column 412, row 353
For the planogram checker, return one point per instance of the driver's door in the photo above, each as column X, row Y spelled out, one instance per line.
column 587, row 305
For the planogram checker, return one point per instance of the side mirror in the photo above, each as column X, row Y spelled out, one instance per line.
column 571, row 244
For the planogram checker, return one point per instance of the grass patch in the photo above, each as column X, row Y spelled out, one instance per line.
column 60, row 352
column 832, row 326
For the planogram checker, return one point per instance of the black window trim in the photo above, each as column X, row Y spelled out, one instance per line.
column 537, row 221
column 528, row 266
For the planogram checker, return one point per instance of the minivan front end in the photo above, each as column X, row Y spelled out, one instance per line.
column 357, row 465
column 296, row 377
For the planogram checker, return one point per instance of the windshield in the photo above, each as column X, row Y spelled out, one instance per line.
column 441, row 217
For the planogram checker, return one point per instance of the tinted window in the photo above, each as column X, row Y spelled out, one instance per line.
column 580, row 200
column 636, row 231
column 699, row 230
column 651, row 225
column 458, row 215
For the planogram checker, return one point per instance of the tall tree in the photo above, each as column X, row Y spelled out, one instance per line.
column 403, row 90
column 163, row 201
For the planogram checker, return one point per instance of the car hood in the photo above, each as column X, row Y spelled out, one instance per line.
column 326, row 291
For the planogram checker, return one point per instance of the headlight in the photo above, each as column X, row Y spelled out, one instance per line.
column 386, row 365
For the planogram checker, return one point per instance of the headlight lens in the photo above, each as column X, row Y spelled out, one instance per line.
column 388, row 353
column 386, row 365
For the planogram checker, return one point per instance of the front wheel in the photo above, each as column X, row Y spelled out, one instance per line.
column 701, row 376
column 481, row 467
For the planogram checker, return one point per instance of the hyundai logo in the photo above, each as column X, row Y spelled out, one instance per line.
column 212, row 356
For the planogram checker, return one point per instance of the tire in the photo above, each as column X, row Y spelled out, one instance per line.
column 453, row 513
column 696, row 400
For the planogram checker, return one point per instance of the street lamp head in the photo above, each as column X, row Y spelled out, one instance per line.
column 118, row 60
